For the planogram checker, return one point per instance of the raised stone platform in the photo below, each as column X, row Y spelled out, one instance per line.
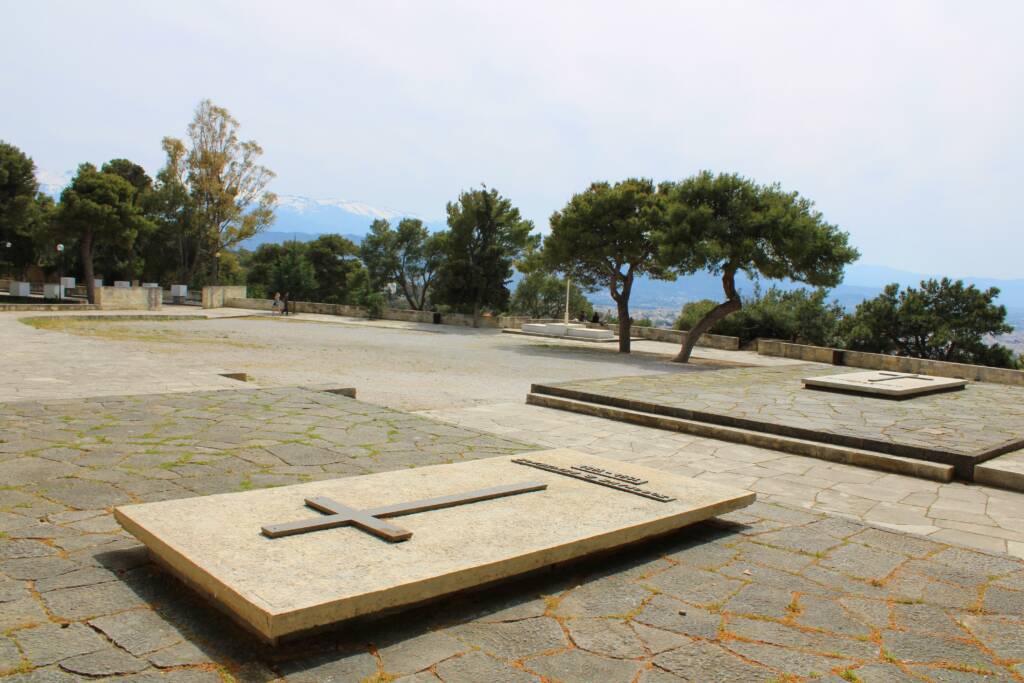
column 1005, row 472
column 896, row 385
column 283, row 586
column 960, row 429
column 568, row 330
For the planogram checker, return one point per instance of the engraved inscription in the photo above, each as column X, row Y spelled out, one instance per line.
column 636, row 481
column 600, row 480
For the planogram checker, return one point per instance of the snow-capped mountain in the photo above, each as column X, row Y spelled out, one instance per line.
column 319, row 216
column 303, row 218
column 297, row 217
column 305, row 205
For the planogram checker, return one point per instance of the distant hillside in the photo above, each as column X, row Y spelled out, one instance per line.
column 861, row 282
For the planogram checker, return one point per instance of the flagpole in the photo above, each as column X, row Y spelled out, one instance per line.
column 568, row 283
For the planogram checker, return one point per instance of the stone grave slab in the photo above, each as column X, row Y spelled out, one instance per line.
column 897, row 385
column 376, row 543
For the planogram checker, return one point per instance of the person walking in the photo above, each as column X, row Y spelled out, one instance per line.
column 284, row 303
column 276, row 307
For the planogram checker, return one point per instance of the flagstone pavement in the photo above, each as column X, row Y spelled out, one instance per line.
column 816, row 581
column 770, row 593
column 977, row 516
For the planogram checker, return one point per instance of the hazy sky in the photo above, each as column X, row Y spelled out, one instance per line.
column 902, row 120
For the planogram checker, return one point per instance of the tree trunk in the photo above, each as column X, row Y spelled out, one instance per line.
column 405, row 291
column 624, row 325
column 421, row 301
column 731, row 305
column 87, row 272
column 193, row 269
column 621, row 300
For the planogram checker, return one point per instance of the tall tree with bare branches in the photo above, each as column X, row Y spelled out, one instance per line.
column 214, row 189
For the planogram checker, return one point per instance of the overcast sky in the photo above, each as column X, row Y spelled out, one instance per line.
column 902, row 120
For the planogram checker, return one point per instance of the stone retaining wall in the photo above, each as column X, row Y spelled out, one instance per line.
column 128, row 299
column 215, row 295
column 881, row 361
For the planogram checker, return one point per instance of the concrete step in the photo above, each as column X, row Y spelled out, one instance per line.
column 911, row 467
column 1004, row 471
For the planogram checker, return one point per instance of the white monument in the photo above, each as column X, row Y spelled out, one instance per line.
column 51, row 290
column 179, row 290
column 67, row 282
column 16, row 288
column 885, row 384
column 286, row 560
column 97, row 283
column 122, row 284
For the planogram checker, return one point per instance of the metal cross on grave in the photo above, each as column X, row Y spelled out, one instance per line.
column 892, row 375
column 371, row 520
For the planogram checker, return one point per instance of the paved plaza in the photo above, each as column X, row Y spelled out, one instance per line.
column 402, row 365
column 817, row 581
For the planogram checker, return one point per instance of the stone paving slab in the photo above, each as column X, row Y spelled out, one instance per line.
column 278, row 587
column 977, row 516
column 80, row 599
column 958, row 428
column 895, row 385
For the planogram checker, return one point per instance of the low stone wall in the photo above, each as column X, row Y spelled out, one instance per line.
column 47, row 307
column 404, row 315
column 297, row 307
column 249, row 304
column 881, row 361
column 128, row 299
column 667, row 334
column 326, row 309
column 215, row 295
column 715, row 341
column 409, row 316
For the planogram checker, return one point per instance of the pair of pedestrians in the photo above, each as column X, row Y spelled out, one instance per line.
column 281, row 303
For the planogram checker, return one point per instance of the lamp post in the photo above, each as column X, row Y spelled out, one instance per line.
column 60, row 276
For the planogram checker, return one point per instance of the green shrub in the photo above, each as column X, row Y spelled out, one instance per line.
column 798, row 316
column 940, row 320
